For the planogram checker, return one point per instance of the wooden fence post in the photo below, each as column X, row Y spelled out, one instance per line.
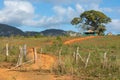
column 7, row 53
column 20, row 58
column 105, row 60
column 25, row 51
column 87, row 60
column 35, row 55
column 79, row 55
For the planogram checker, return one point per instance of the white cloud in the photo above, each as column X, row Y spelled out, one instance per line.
column 22, row 13
column 19, row 5
column 45, row 21
column 16, row 12
column 71, row 1
column 114, row 26
column 94, row 6
column 63, row 15
column 64, row 12
column 79, row 8
column 119, row 10
column 59, row 10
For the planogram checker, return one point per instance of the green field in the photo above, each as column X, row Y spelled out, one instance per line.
column 97, row 67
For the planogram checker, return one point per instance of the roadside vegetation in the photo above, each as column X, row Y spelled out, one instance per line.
column 92, row 59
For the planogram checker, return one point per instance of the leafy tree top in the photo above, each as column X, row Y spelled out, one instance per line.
column 94, row 19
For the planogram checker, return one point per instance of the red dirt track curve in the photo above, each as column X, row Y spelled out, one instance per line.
column 78, row 39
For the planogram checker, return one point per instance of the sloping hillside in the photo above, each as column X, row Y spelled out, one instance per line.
column 7, row 30
column 53, row 32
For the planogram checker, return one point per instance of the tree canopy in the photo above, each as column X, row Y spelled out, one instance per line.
column 92, row 20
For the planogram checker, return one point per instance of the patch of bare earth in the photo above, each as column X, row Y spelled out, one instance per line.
column 32, row 71
column 78, row 39
column 6, row 74
column 43, row 61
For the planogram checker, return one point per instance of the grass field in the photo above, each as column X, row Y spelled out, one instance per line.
column 99, row 66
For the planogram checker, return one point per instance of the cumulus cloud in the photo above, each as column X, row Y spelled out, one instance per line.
column 16, row 12
column 64, row 12
column 119, row 10
column 79, row 8
column 63, row 15
column 114, row 26
column 56, row 2
column 22, row 13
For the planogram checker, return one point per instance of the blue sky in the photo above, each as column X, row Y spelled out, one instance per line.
column 38, row 15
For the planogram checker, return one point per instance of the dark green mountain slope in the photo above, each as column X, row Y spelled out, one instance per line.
column 7, row 30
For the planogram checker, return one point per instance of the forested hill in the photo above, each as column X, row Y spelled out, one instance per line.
column 7, row 30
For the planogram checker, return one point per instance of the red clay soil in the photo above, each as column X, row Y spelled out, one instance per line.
column 6, row 74
column 44, row 61
column 78, row 39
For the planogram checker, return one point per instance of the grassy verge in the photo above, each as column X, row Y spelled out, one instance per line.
column 97, row 68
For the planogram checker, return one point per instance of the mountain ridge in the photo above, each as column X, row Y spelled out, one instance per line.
column 7, row 30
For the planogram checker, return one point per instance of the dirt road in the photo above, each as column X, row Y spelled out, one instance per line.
column 78, row 39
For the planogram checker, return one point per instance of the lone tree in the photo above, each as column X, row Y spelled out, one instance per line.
column 92, row 20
